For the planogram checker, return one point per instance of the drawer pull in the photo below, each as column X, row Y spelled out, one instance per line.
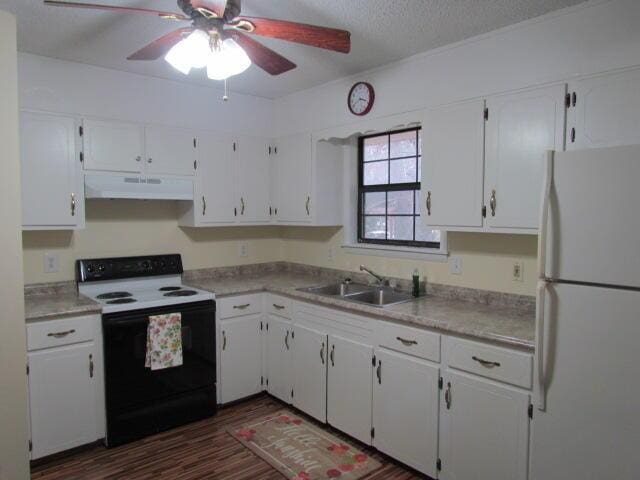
column 405, row 342
column 485, row 363
column 61, row 334
column 279, row 307
column 242, row 307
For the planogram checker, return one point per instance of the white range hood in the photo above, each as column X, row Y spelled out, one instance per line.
column 140, row 188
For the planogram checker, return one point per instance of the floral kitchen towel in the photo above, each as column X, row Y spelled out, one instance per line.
column 164, row 341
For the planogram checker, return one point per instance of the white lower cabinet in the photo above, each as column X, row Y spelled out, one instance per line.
column 278, row 357
column 405, row 410
column 349, row 387
column 484, row 430
column 310, row 355
column 240, row 357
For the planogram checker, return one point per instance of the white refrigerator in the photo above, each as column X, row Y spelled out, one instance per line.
column 587, row 391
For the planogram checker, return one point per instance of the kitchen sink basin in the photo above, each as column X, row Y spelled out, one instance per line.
column 366, row 294
column 338, row 289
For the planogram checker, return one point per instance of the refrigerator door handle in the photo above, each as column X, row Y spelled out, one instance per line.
column 544, row 215
column 540, row 352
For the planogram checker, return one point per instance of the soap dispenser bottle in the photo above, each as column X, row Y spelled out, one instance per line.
column 416, row 283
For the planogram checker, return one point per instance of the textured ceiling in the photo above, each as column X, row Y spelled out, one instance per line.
column 382, row 31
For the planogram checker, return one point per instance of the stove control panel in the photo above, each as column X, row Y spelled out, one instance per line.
column 94, row 269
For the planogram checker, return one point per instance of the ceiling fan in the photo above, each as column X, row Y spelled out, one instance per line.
column 217, row 37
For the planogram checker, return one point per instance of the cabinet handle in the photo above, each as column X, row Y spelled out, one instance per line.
column 224, row 340
column 492, row 203
column 204, row 206
column 241, row 206
column 149, row 160
column 322, row 353
column 331, row 355
column 286, row 340
column 90, row 365
column 306, row 205
column 61, row 334
column 242, row 307
column 73, row 204
column 429, row 203
column 138, row 158
column 406, row 342
column 485, row 363
column 447, row 396
column 275, row 211
column 279, row 307
column 573, row 135
column 379, row 372
column 270, row 211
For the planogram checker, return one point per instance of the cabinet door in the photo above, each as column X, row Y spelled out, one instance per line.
column 452, row 165
column 253, row 180
column 278, row 345
column 294, row 179
column 170, row 151
column 62, row 396
column 349, row 387
column 113, row 147
column 405, row 410
column 215, row 191
column 51, row 196
column 604, row 111
column 310, row 372
column 484, row 430
column 521, row 128
column 240, row 357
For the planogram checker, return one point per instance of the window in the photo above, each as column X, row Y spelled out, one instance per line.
column 389, row 190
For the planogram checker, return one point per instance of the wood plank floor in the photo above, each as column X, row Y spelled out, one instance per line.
column 201, row 450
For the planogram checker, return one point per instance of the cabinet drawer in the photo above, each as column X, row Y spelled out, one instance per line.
column 240, row 305
column 414, row 341
column 279, row 305
column 55, row 333
column 488, row 361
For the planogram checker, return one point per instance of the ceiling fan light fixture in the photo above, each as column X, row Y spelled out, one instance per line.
column 190, row 52
column 230, row 59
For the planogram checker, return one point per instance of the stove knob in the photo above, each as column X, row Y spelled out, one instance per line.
column 162, row 264
column 90, row 268
column 145, row 265
column 101, row 267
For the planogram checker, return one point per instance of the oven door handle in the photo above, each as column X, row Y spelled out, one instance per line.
column 132, row 318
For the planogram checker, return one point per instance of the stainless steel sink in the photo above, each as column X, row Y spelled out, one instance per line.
column 337, row 289
column 377, row 296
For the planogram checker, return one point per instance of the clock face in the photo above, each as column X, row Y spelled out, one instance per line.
column 361, row 98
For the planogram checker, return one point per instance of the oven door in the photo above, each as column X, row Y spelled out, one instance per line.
column 140, row 401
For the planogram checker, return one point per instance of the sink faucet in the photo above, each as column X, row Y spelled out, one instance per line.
column 381, row 280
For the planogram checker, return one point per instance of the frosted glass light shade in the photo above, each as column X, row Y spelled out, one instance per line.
column 191, row 52
column 230, row 60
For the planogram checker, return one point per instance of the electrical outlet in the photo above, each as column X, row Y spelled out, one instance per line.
column 243, row 249
column 455, row 265
column 51, row 262
column 517, row 273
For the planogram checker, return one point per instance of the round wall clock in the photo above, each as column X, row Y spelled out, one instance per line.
column 360, row 99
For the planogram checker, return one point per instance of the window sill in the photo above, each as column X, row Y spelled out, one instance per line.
column 395, row 251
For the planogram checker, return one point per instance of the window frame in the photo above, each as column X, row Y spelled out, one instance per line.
column 390, row 187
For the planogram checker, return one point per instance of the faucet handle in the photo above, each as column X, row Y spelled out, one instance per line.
column 347, row 280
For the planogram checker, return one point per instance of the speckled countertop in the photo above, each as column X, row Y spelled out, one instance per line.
column 55, row 304
column 508, row 326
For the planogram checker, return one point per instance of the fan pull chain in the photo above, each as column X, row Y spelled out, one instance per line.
column 225, row 97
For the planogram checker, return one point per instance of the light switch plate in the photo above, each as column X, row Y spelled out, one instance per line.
column 243, row 249
column 51, row 262
column 455, row 265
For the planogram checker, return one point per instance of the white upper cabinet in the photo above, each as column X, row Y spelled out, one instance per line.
column 349, row 387
column 294, row 170
column 452, row 165
column 214, row 193
column 113, row 146
column 484, row 430
column 253, row 180
column 604, row 111
column 170, row 151
column 520, row 128
column 52, row 190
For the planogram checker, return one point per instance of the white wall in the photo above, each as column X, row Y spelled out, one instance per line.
column 589, row 38
column 129, row 227
column 14, row 463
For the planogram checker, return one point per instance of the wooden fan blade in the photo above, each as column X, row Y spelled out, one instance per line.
column 161, row 46
column 96, row 6
column 321, row 37
column 268, row 60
